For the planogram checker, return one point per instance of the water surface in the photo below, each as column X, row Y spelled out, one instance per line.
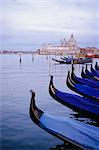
column 18, row 132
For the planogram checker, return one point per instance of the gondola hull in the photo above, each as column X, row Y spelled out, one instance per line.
column 94, row 71
column 85, row 75
column 96, row 66
column 85, row 106
column 83, row 90
column 74, row 61
column 82, row 135
column 83, row 81
column 60, row 61
column 92, row 74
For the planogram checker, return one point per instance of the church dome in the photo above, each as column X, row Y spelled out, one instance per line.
column 72, row 40
column 72, row 44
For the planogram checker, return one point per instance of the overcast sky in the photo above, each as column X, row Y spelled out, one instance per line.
column 64, row 16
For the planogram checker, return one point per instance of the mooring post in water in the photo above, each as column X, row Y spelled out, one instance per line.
column 33, row 57
column 20, row 57
column 46, row 56
column 49, row 56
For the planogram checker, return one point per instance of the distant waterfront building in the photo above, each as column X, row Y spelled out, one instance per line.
column 89, row 50
column 69, row 47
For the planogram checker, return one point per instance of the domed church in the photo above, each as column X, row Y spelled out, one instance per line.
column 66, row 47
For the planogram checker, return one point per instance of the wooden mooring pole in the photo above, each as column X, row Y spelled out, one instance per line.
column 20, row 57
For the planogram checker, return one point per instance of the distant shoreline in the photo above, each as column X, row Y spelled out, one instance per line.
column 18, row 52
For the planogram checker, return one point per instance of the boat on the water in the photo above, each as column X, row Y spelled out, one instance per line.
column 78, row 60
column 94, row 70
column 89, row 76
column 73, row 60
column 84, row 90
column 92, row 74
column 64, row 58
column 85, row 60
column 85, row 106
column 82, row 81
column 96, row 66
column 60, row 61
column 82, row 135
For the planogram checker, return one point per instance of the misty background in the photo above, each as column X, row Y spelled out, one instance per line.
column 26, row 25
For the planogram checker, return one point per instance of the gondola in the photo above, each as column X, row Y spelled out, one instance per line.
column 85, row 75
column 86, row 81
column 82, row 60
column 83, row 90
column 68, row 59
column 85, row 60
column 94, row 70
column 82, row 135
column 63, row 58
column 87, row 107
column 92, row 74
column 96, row 66
column 78, row 60
column 71, row 61
column 60, row 61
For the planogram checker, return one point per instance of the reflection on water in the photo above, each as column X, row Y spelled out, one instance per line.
column 18, row 132
column 66, row 146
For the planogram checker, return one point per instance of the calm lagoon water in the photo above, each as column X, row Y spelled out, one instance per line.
column 17, row 131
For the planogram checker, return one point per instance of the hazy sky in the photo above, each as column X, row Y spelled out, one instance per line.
column 80, row 17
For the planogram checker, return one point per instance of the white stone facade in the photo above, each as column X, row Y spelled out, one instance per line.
column 65, row 48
